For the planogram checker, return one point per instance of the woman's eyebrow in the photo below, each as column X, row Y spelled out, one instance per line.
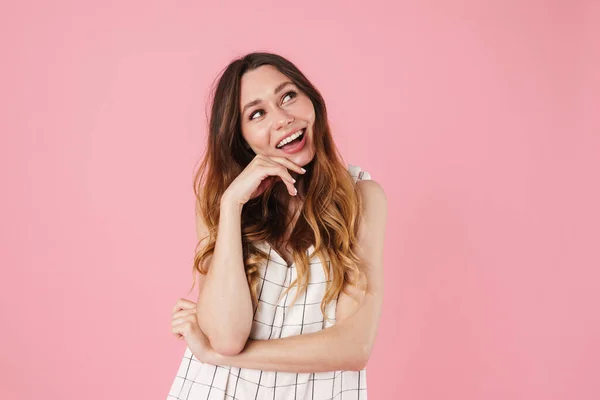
column 257, row 101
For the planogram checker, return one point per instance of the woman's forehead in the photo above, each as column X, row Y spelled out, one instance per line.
column 260, row 83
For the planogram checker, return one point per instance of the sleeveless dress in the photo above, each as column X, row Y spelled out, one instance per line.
column 276, row 318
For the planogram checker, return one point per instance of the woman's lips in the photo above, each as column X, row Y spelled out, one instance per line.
column 296, row 146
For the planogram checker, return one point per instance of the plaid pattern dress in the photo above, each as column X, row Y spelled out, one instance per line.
column 276, row 318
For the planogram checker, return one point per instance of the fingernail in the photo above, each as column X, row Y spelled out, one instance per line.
column 293, row 180
column 303, row 170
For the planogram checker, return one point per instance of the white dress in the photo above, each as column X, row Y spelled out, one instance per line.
column 273, row 319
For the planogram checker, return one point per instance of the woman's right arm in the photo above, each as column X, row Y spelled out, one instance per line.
column 224, row 307
column 224, row 310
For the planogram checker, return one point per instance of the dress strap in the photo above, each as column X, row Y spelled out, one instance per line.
column 357, row 173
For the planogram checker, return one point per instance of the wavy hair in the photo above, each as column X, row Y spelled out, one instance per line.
column 331, row 208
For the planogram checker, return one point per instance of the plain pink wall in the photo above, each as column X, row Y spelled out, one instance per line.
column 476, row 117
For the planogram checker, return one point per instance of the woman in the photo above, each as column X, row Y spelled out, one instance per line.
column 290, row 248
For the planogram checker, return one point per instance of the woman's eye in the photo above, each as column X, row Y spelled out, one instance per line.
column 254, row 113
column 290, row 93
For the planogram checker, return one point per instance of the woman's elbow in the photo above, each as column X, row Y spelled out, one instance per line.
column 228, row 341
column 360, row 359
column 229, row 346
column 228, row 349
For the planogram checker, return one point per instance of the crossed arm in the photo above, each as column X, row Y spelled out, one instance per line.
column 346, row 345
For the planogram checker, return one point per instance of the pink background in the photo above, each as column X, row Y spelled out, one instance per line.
column 476, row 117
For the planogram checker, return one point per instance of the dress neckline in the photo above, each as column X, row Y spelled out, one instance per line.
column 275, row 254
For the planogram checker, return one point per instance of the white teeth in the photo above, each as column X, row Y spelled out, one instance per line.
column 290, row 138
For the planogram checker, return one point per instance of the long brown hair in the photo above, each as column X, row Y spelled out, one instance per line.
column 331, row 208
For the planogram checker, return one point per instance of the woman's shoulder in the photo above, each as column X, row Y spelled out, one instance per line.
column 357, row 173
column 368, row 186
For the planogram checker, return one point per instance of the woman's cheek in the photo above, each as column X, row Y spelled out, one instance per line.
column 309, row 111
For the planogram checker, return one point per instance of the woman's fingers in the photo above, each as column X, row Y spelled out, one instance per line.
column 274, row 167
column 282, row 161
column 183, row 313
column 285, row 176
column 183, row 304
column 181, row 316
column 288, row 164
column 178, row 318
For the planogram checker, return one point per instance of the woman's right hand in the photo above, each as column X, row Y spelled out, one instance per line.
column 258, row 175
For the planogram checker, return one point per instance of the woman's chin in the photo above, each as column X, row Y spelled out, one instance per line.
column 303, row 157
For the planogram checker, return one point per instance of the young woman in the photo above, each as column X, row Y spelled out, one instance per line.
column 290, row 250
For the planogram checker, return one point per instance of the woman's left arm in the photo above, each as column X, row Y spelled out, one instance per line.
column 347, row 344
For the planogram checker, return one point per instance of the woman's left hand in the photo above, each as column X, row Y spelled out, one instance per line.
column 185, row 326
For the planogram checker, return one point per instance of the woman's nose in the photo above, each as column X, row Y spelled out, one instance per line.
column 282, row 118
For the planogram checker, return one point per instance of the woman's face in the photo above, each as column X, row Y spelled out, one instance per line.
column 273, row 107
